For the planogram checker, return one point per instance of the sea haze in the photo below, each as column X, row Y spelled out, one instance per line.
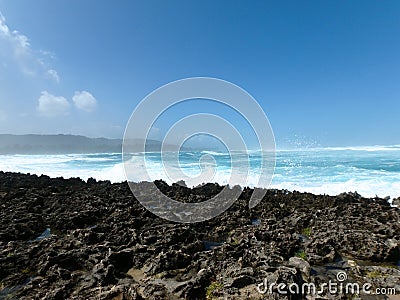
column 67, row 144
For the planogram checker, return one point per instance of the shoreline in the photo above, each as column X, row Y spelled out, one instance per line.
column 326, row 172
column 102, row 243
column 295, row 188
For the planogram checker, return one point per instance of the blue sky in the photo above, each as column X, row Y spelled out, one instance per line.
column 325, row 72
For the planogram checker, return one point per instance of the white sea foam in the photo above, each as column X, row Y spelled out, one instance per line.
column 325, row 171
column 346, row 148
column 214, row 152
column 366, row 188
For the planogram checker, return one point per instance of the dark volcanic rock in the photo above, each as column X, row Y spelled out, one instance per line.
column 101, row 243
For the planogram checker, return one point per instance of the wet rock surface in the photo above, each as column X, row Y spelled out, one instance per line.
column 68, row 239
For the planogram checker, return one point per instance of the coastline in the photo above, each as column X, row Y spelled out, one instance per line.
column 370, row 172
column 102, row 243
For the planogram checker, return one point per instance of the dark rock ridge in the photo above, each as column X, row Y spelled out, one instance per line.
column 70, row 239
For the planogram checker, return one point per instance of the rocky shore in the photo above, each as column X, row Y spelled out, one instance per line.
column 70, row 239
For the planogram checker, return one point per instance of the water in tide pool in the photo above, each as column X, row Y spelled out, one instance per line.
column 368, row 170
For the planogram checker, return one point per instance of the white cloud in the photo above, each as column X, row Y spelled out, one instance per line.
column 4, row 30
column 17, row 42
column 51, row 106
column 22, row 40
column 48, row 54
column 85, row 101
column 53, row 75
column 16, row 47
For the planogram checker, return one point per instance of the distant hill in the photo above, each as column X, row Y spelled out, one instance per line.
column 63, row 144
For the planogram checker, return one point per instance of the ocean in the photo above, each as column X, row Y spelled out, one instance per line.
column 371, row 171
